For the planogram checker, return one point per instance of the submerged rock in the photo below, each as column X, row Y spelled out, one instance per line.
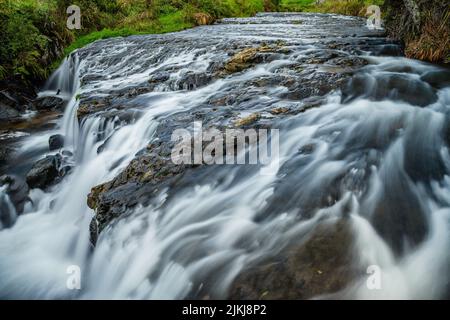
column 44, row 172
column 322, row 264
column 394, row 86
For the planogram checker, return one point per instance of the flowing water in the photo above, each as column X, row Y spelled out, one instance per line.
column 377, row 152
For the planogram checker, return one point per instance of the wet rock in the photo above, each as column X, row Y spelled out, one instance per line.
column 247, row 58
column 67, row 153
column 395, row 86
column 247, row 120
column 66, row 170
column 49, row 103
column 393, row 50
column 192, row 81
column 159, row 77
column 90, row 107
column 7, row 113
column 323, row 264
column 307, row 149
column 279, row 110
column 56, row 142
column 438, row 78
column 143, row 178
column 202, row 19
column 5, row 153
column 13, row 101
column 399, row 217
column 354, row 62
column 17, row 191
column 44, row 172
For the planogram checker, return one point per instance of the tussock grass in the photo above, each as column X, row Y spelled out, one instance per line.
column 433, row 44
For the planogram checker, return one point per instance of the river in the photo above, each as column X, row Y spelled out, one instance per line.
column 363, row 145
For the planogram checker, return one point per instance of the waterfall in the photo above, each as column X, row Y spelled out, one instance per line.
column 375, row 153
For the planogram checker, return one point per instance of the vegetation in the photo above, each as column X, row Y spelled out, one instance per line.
column 424, row 27
column 347, row 7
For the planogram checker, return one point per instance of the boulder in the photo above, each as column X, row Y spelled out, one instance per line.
column 17, row 190
column 437, row 78
column 44, row 172
column 202, row 19
column 396, row 86
column 10, row 106
column 56, row 142
column 7, row 113
column 192, row 81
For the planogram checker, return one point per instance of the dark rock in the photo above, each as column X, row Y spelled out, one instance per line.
column 67, row 153
column 49, row 103
column 56, row 142
column 7, row 113
column 394, row 86
column 17, row 191
column 159, row 77
column 143, row 178
column 323, row 264
column 393, row 50
column 44, row 172
column 5, row 153
column 12, row 104
column 192, row 81
column 66, row 170
column 438, row 78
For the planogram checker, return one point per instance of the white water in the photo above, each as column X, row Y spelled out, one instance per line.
column 206, row 234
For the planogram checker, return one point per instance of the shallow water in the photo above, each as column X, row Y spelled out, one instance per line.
column 379, row 155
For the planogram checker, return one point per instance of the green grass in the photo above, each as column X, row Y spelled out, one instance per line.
column 297, row 5
column 166, row 23
column 346, row 7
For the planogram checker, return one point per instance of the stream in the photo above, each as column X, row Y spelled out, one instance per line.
column 363, row 145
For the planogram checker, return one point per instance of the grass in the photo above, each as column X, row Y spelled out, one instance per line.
column 434, row 42
column 297, row 5
column 345, row 7
column 166, row 23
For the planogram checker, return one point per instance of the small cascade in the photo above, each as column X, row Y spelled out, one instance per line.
column 374, row 154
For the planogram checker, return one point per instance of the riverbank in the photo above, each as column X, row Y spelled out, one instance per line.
column 423, row 27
